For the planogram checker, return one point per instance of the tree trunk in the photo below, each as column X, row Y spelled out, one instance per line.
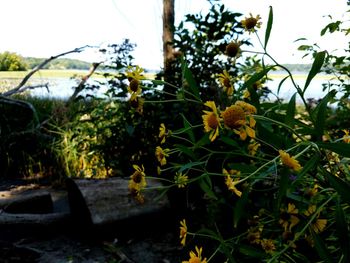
column 168, row 38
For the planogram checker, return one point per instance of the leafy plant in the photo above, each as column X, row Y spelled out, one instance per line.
column 250, row 179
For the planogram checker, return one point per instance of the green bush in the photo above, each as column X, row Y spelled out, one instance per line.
column 10, row 61
column 252, row 180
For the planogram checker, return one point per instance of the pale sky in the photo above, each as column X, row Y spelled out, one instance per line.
column 43, row 28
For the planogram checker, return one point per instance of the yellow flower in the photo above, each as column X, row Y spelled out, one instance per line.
column 161, row 155
column 311, row 192
column 288, row 219
column 251, row 23
column 134, row 87
column 268, row 245
column 238, row 117
column 289, row 161
column 196, row 258
column 163, row 133
column 183, row 232
column 137, row 183
column 253, row 147
column 230, row 183
column 234, row 117
column 181, row 180
column 137, row 103
column 138, row 177
column 249, row 109
column 225, row 80
column 134, row 73
column 254, row 235
column 346, row 137
column 211, row 120
column 320, row 224
column 135, row 190
column 246, row 94
column 233, row 49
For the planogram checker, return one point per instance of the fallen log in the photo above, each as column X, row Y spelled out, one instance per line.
column 105, row 201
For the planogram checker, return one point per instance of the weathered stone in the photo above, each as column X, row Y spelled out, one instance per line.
column 33, row 205
column 33, row 219
column 107, row 201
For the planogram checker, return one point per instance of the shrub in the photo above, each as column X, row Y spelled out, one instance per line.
column 252, row 180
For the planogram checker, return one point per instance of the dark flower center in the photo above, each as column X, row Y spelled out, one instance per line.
column 250, row 23
column 134, row 85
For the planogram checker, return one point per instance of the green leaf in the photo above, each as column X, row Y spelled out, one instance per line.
column 186, row 150
column 315, row 68
column 251, row 251
column 188, row 128
column 206, row 186
column 283, row 186
column 289, row 120
column 202, row 141
column 332, row 27
column 229, row 141
column 189, row 165
column 309, row 165
column 268, row 27
column 342, row 230
column 281, row 83
column 187, row 75
column 321, row 248
column 249, row 84
column 342, row 187
column 340, row 148
column 320, row 114
column 240, row 208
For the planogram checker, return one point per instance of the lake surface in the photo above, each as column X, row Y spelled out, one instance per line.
column 63, row 88
column 287, row 89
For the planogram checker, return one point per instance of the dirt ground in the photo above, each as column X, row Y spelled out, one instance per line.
column 68, row 248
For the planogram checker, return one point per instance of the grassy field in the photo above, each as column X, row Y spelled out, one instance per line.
column 45, row 73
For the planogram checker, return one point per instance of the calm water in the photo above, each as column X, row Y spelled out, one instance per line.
column 63, row 88
column 287, row 90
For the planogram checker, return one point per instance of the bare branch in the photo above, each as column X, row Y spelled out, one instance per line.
column 37, row 68
column 22, row 89
column 80, row 87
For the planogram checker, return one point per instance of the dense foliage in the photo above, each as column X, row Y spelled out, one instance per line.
column 255, row 180
column 10, row 61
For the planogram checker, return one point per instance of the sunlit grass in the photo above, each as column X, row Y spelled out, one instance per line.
column 45, row 73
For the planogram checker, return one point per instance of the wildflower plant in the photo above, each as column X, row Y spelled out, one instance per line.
column 264, row 181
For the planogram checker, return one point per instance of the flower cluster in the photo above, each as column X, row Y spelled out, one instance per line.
column 135, row 76
column 237, row 117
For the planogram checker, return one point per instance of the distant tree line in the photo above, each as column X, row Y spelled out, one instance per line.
column 10, row 61
column 60, row 63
